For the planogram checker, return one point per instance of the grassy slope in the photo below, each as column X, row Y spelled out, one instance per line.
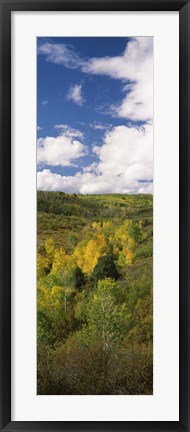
column 68, row 219
column 60, row 214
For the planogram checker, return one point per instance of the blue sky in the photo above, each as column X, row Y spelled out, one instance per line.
column 95, row 105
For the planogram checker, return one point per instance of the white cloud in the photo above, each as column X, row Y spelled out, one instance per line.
column 39, row 128
column 68, row 131
column 90, row 168
column 134, row 67
column 125, row 165
column 45, row 102
column 88, row 183
column 62, row 150
column 80, row 183
column 125, row 159
column 60, row 54
column 100, row 126
column 126, row 149
column 75, row 94
column 54, row 182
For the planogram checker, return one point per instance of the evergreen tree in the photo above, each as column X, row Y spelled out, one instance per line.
column 78, row 278
column 105, row 268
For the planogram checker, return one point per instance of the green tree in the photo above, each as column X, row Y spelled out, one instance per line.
column 72, row 242
column 135, row 232
column 105, row 268
column 78, row 278
column 107, row 321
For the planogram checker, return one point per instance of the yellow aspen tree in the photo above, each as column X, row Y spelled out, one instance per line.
column 50, row 249
column 60, row 261
column 42, row 265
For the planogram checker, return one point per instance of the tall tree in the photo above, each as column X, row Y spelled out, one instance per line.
column 105, row 268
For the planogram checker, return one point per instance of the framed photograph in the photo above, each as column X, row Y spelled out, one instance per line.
column 94, row 215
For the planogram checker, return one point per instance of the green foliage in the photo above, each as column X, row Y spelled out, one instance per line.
column 106, row 321
column 135, row 232
column 95, row 296
column 144, row 250
column 105, row 268
column 71, row 242
column 78, row 278
column 78, row 369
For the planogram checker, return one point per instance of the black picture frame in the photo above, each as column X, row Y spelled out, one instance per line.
column 6, row 7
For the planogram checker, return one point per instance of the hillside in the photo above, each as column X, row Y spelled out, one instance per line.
column 95, row 293
column 60, row 213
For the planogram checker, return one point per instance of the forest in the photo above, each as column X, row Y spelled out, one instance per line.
column 94, row 294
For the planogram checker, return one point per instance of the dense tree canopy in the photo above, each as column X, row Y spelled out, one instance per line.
column 94, row 267
column 105, row 268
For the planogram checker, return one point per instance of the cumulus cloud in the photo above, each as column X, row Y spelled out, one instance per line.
column 88, row 183
column 62, row 150
column 91, row 168
column 124, row 160
column 134, row 68
column 127, row 149
column 46, row 180
column 75, row 94
column 125, row 165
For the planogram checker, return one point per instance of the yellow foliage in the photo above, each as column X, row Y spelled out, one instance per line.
column 129, row 256
column 49, row 248
column 91, row 256
column 107, row 224
column 131, row 243
column 125, row 257
column 87, row 254
column 121, row 233
column 55, row 290
column 42, row 265
column 115, row 250
column 125, row 242
column 61, row 261
column 96, row 226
